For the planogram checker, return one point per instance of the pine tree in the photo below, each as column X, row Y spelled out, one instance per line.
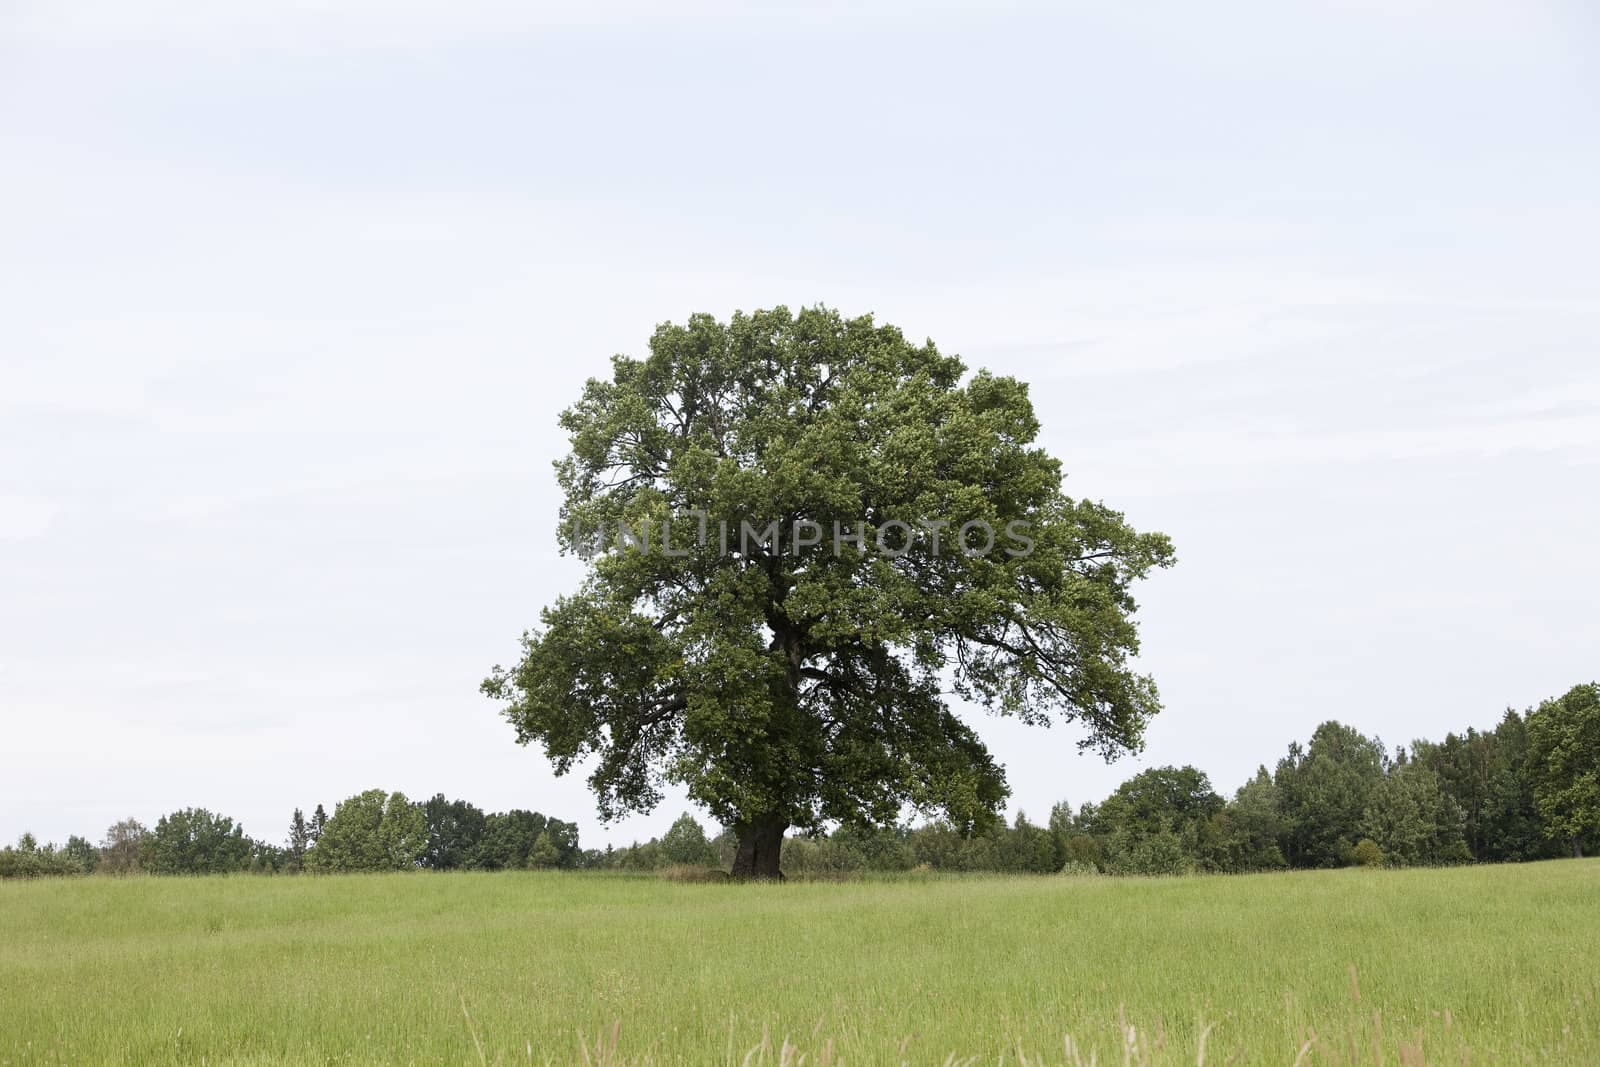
column 299, row 841
column 319, row 821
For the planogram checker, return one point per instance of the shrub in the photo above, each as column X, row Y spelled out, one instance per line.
column 1367, row 853
column 1155, row 854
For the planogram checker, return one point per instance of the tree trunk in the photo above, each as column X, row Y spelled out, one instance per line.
column 1577, row 847
column 760, row 841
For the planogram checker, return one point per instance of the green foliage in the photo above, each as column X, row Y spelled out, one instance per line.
column 29, row 859
column 853, row 848
column 120, row 849
column 1469, row 797
column 195, row 841
column 794, row 685
column 686, row 843
column 544, row 854
column 1564, row 755
column 1160, row 821
column 638, row 857
column 1367, row 853
column 1254, row 827
column 508, row 840
column 267, row 858
column 1078, row 869
column 1160, row 852
column 455, row 833
column 1490, row 778
column 1079, row 849
column 1027, row 849
column 403, row 833
column 1019, row 848
column 299, row 842
column 1163, row 798
column 1323, row 792
column 80, row 855
column 1413, row 821
column 512, row 840
column 370, row 831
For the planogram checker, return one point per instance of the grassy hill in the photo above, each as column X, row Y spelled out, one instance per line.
column 1498, row 964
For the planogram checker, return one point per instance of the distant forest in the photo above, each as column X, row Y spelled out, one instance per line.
column 1528, row 789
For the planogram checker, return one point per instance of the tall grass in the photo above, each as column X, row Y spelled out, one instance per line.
column 1479, row 965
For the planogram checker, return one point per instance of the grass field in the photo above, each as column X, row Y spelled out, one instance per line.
column 1499, row 964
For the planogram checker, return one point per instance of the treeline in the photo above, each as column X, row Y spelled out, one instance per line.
column 371, row 831
column 1528, row 789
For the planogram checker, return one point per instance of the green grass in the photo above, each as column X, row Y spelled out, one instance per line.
column 1501, row 962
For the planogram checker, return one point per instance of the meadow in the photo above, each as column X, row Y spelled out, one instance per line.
column 1467, row 965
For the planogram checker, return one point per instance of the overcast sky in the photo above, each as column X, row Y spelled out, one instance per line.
column 291, row 294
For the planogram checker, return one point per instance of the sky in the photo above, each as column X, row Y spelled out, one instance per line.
column 291, row 296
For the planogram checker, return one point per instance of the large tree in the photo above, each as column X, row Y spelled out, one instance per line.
column 791, row 675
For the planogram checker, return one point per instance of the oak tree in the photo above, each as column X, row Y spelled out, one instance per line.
column 803, row 534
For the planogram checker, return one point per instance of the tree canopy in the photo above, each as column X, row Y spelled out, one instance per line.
column 371, row 831
column 686, row 843
column 1564, row 746
column 821, row 530
column 195, row 841
column 1324, row 789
